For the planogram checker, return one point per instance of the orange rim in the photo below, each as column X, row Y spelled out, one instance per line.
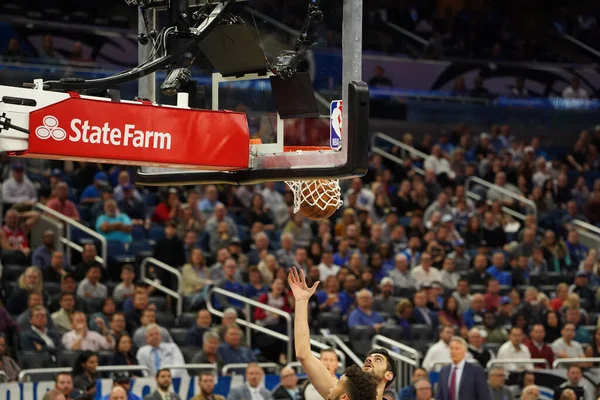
column 291, row 149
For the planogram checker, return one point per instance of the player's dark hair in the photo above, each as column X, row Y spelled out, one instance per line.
column 360, row 384
column 391, row 363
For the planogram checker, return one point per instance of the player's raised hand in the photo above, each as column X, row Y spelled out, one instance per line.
column 298, row 285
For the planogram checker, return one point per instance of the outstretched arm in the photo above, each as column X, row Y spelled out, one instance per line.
column 316, row 371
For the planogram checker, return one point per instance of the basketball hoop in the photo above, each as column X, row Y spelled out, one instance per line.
column 316, row 199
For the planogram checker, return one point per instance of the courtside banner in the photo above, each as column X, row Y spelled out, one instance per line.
column 139, row 134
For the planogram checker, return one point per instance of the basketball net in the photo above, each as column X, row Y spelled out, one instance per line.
column 323, row 193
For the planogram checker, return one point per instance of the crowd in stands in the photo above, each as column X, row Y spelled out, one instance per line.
column 413, row 257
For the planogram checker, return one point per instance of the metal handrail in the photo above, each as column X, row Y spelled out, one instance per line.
column 103, row 368
column 402, row 145
column 414, row 353
column 589, row 230
column 322, row 346
column 343, row 346
column 70, row 221
column 250, row 325
column 191, row 366
column 508, row 193
column 175, row 294
column 267, row 365
column 407, row 33
column 559, row 361
column 532, row 361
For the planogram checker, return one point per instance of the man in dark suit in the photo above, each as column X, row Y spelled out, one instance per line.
column 39, row 338
column 288, row 389
column 422, row 314
column 251, row 389
column 163, row 383
column 461, row 380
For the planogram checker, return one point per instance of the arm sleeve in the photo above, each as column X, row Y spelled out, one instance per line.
column 67, row 341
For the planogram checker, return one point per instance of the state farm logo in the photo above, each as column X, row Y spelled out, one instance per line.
column 50, row 129
column 105, row 134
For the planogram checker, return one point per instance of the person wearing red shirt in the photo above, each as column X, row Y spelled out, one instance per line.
column 16, row 229
column 61, row 204
column 562, row 292
column 492, row 296
column 168, row 209
column 537, row 347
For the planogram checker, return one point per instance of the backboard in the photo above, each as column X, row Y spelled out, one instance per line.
column 295, row 133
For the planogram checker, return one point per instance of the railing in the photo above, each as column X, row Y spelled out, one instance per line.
column 406, row 149
column 407, row 363
column 268, row 365
column 104, row 368
column 192, row 366
column 159, row 264
column 577, row 360
column 340, row 343
column 70, row 222
column 588, row 231
column 505, row 192
column 250, row 325
column 517, row 361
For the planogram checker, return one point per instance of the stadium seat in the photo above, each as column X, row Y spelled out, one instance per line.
column 360, row 339
column 93, row 305
column 165, row 319
column 67, row 358
column 187, row 319
column 14, row 258
column 493, row 347
column 478, row 289
column 105, row 357
column 12, row 272
column 407, row 293
column 421, row 332
column 52, row 288
column 189, row 353
column 394, row 332
column 178, row 335
column 115, row 249
column 141, row 246
column 331, row 321
column 138, row 232
column 156, row 232
column 159, row 302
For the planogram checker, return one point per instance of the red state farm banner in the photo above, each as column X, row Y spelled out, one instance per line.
column 139, row 134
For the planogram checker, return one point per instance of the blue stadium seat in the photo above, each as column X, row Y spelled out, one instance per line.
column 140, row 246
column 138, row 232
column 156, row 232
column 116, row 249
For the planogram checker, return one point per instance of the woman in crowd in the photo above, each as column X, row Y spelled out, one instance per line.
column 594, row 349
column 84, row 373
column 553, row 327
column 404, row 318
column 196, row 278
column 107, row 309
column 124, row 353
column 449, row 314
column 259, row 213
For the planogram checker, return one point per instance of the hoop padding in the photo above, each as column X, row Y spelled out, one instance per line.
column 323, row 193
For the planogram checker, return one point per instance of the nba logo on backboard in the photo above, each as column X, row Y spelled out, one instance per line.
column 335, row 125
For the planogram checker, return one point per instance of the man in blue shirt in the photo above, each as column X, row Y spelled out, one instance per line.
column 122, row 380
column 496, row 270
column 363, row 314
column 232, row 351
column 114, row 225
column 230, row 284
column 92, row 193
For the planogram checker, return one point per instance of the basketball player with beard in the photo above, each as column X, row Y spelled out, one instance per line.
column 378, row 363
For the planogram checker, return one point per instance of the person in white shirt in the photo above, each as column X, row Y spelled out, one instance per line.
column 438, row 355
column 400, row 275
column 566, row 346
column 18, row 189
column 438, row 163
column 425, row 273
column 163, row 383
column 327, row 268
column 91, row 287
column 364, row 197
column 81, row 338
column 253, row 389
column 149, row 317
column 575, row 91
column 156, row 353
column 449, row 276
column 514, row 349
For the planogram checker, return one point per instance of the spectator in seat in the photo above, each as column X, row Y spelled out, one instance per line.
column 404, row 317
column 327, row 266
column 474, row 315
column 575, row 91
column 515, row 349
column 252, row 389
column 42, row 255
column 117, row 325
column 494, row 332
column 7, row 325
column 81, row 338
column 538, row 348
column 39, row 338
column 88, row 258
column 92, row 194
column 209, row 203
column 255, row 287
column 170, row 250
column 492, row 296
column 63, row 384
column 148, row 318
column 276, row 298
column 33, row 300
column 209, row 353
column 7, row 364
column 164, row 379
column 13, row 52
column 408, row 392
column 232, row 351
column 90, row 287
column 97, row 209
column 62, row 317
column 285, row 255
column 206, row 386
column 57, row 268
column 288, row 388
column 30, row 281
column 85, row 373
column 496, row 383
column 462, row 295
column 566, row 346
column 329, row 298
column 133, row 316
column 156, row 353
column 133, row 206
column 575, row 379
column 497, row 269
column 439, row 352
column 476, row 349
column 196, row 278
column 17, row 226
column 300, row 229
column 229, row 318
column 449, row 314
column 422, row 314
column 125, row 289
column 124, row 180
column 195, row 335
column 230, row 284
column 580, row 287
column 18, row 189
column 114, row 225
column 364, row 314
column 537, row 265
column 220, row 215
column 582, row 335
column 577, row 251
column 168, row 209
column 107, row 309
column 492, row 232
column 121, row 389
column 425, row 273
column 364, row 196
column 123, row 354
column 60, row 203
column 449, row 276
column 385, row 302
column 400, row 275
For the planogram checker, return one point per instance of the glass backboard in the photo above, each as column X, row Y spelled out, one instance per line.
column 314, row 125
